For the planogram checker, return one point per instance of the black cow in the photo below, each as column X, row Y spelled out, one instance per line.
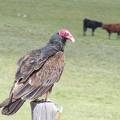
column 92, row 24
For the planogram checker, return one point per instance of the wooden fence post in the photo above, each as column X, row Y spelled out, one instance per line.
column 45, row 110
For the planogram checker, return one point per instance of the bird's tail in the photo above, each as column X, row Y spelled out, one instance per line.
column 5, row 102
column 9, row 108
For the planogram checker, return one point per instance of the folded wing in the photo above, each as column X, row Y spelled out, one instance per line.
column 42, row 80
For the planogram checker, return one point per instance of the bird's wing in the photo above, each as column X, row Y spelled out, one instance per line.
column 32, row 62
column 50, row 72
column 28, row 64
column 42, row 80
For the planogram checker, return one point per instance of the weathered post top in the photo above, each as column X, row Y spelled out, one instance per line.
column 45, row 110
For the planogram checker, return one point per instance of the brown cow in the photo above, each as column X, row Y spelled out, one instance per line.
column 112, row 28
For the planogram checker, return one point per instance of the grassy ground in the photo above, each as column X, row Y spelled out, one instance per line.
column 90, row 86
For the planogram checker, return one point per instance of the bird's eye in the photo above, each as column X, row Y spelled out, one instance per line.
column 66, row 34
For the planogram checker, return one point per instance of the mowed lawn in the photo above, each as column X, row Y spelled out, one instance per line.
column 89, row 88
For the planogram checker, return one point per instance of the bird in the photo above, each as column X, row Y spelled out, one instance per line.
column 37, row 72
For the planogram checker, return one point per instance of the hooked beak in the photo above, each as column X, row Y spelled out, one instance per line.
column 71, row 38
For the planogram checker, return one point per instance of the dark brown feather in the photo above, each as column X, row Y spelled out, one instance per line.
column 36, row 74
column 28, row 64
column 41, row 81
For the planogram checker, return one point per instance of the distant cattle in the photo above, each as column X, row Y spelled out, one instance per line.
column 112, row 28
column 92, row 24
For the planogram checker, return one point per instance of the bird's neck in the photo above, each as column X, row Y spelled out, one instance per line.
column 58, row 42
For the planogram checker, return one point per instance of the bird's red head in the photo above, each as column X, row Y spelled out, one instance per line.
column 66, row 34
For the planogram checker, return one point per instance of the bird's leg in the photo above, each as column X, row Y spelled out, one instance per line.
column 46, row 96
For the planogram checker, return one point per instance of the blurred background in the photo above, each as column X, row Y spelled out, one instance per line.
column 90, row 85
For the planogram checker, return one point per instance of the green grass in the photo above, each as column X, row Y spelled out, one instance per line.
column 90, row 85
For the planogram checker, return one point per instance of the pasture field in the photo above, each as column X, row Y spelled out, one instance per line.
column 90, row 85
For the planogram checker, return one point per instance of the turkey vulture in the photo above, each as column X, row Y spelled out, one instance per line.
column 37, row 72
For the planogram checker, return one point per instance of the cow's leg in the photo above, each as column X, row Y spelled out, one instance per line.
column 84, row 31
column 109, row 34
column 93, row 30
column 118, row 35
